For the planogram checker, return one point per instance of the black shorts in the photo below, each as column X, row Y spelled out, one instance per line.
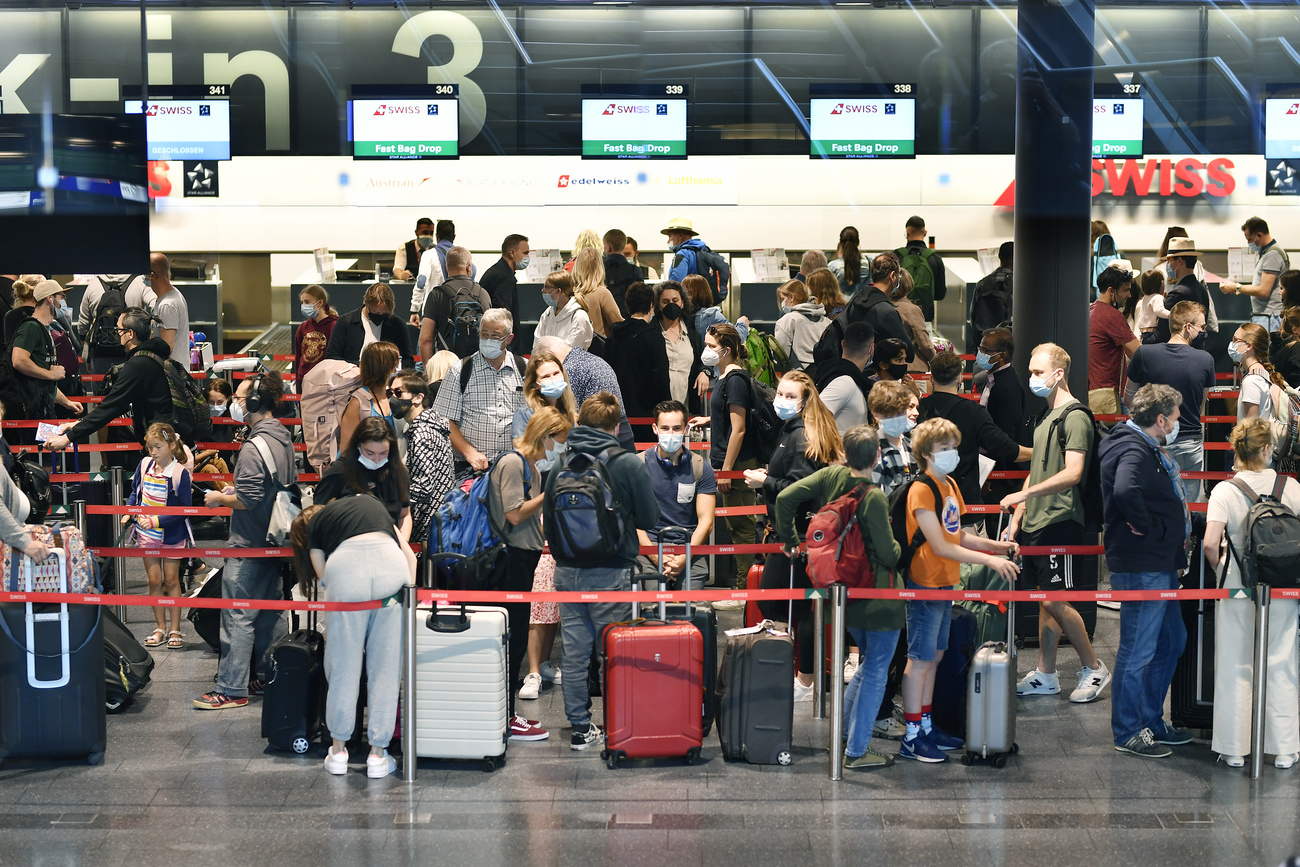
column 1050, row 571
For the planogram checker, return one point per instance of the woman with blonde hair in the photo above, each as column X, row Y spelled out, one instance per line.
column 24, row 304
column 590, row 291
column 801, row 324
column 587, row 240
column 1234, row 619
column 824, row 287
column 545, row 385
column 563, row 317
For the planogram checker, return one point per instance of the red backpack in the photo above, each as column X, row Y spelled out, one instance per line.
column 837, row 553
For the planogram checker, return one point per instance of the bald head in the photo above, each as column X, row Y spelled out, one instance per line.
column 553, row 345
column 160, row 273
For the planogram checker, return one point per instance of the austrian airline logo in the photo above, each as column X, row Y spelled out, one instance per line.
column 609, row 109
column 564, row 179
column 838, row 109
column 1294, row 109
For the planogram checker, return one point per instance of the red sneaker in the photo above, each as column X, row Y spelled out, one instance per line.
column 218, row 701
column 526, row 730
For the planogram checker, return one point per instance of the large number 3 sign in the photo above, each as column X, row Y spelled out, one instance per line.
column 467, row 52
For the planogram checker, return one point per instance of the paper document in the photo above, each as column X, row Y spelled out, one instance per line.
column 986, row 466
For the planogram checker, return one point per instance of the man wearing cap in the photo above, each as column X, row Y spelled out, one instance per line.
column 1266, row 292
column 1180, row 264
column 36, row 369
column 685, row 242
column 1111, row 343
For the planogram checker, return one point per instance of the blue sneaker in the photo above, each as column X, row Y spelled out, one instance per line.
column 921, row 749
column 943, row 740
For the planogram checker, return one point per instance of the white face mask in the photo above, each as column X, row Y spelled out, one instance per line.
column 945, row 461
column 710, row 358
column 237, row 410
column 369, row 464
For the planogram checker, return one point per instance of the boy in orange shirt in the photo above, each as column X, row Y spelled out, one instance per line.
column 936, row 566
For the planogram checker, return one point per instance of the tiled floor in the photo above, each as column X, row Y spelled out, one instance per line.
column 189, row 788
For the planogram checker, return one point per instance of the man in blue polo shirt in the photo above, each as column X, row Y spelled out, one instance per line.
column 687, row 492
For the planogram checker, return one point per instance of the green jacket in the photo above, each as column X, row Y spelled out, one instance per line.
column 813, row 492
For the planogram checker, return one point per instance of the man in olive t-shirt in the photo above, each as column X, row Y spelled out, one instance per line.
column 1049, row 512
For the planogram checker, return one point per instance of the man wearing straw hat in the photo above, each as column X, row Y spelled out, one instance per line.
column 1182, row 285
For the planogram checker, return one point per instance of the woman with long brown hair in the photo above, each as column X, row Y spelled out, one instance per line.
column 369, row 464
column 1261, row 385
column 379, row 362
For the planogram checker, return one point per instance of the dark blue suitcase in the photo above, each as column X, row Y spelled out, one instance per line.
column 950, row 679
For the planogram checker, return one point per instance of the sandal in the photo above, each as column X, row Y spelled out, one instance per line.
column 175, row 640
column 156, row 638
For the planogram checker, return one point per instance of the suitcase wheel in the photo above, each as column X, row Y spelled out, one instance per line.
column 692, row 756
column 489, row 765
column 1015, row 748
column 612, row 757
column 95, row 759
column 783, row 757
column 301, row 745
column 1000, row 761
column 966, row 759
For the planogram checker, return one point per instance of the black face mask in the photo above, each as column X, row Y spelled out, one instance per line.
column 1198, row 342
column 897, row 371
column 672, row 311
column 379, row 320
column 400, row 406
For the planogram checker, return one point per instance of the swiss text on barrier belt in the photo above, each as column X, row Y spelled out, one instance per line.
column 732, row 511
column 499, row 596
column 155, row 510
column 190, row 602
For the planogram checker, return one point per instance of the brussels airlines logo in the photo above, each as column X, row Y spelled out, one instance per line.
column 616, row 108
column 384, row 110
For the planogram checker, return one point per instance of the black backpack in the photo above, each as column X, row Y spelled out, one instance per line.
column 1090, row 487
column 763, row 422
column 828, row 345
column 713, row 268
column 34, row 481
column 1272, row 538
column 991, row 305
column 585, row 521
column 898, row 518
column 464, row 310
column 189, row 406
column 102, row 341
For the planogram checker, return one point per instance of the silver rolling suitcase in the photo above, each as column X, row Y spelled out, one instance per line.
column 461, row 697
column 991, row 700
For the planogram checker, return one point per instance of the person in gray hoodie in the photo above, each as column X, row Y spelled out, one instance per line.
column 245, row 633
column 803, row 322
column 582, row 622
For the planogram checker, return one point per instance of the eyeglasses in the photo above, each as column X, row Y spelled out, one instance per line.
column 395, row 392
column 123, row 330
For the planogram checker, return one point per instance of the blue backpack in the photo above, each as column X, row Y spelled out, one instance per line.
column 462, row 524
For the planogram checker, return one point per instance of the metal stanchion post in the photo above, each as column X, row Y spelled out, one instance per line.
column 408, row 684
column 79, row 515
column 819, row 659
column 119, row 563
column 839, row 595
column 1261, row 681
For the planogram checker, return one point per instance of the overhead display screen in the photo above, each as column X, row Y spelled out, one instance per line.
column 404, row 123
column 634, row 121
column 868, row 121
column 1282, row 127
column 1117, row 121
column 186, row 123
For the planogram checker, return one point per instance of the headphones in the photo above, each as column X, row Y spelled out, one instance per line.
column 253, row 402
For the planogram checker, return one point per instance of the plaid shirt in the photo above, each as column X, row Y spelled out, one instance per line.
column 895, row 464
column 487, row 408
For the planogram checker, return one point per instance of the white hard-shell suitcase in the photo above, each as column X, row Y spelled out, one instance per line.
column 991, row 700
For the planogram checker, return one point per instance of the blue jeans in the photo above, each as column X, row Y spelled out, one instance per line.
column 1271, row 322
column 865, row 691
column 581, row 624
column 1190, row 456
column 1151, row 639
column 246, row 634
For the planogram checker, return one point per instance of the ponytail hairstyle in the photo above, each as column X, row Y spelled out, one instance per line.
column 824, row 442
column 1257, row 339
column 1290, row 325
column 165, row 432
column 1249, row 439
column 25, row 288
column 729, row 338
column 851, row 255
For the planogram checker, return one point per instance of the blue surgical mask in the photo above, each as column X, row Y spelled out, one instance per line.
column 552, row 388
column 425, row 241
column 1038, row 385
column 308, row 311
column 983, row 360
column 785, row 407
column 1170, row 273
column 490, row 347
column 553, row 455
column 1253, row 247
column 785, row 308
column 945, row 461
column 896, row 426
column 369, row 464
column 1234, row 352
column 671, row 442
column 550, row 300
column 64, row 309
column 522, row 264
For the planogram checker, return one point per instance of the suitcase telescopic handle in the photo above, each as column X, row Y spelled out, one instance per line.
column 458, row 622
column 686, row 569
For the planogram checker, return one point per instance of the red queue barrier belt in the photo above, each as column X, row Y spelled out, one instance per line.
column 156, row 510
column 189, row 602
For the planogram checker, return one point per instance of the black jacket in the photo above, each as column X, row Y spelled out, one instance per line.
column 978, row 432
column 1007, row 405
column 349, row 334
column 693, row 402
column 620, row 274
column 871, row 305
column 636, row 351
column 1137, row 494
column 139, row 388
column 789, row 464
column 503, row 288
column 1186, row 289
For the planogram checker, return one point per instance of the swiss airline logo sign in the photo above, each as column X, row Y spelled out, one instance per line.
column 615, row 108
column 1163, row 178
column 838, row 109
column 1294, row 109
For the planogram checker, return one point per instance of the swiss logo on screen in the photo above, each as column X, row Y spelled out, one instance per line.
column 1294, row 109
column 838, row 109
column 563, row 182
column 381, row 110
column 609, row 109
column 153, row 111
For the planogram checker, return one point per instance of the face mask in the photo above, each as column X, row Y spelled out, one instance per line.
column 897, row 371
column 1172, row 435
column 400, row 406
column 1038, row 385
column 554, row 387
column 1170, row 273
column 550, row 300
column 710, row 358
column 670, row 442
column 673, row 247
column 945, row 461
column 1234, row 352
column 369, row 464
column 309, row 311
column 672, row 311
column 379, row 320
column 1253, row 247
column 237, row 410
column 216, row 409
column 1198, row 341
column 896, row 426
column 898, row 282
column 490, row 348
column 983, row 360
column 521, row 264
column 553, row 455
column 64, row 309
column 785, row 408
column 785, row 308
column 425, row 241
column 631, row 260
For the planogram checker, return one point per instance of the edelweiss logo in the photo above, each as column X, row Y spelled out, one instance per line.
column 564, row 179
column 1294, row 109
column 609, row 109
column 838, row 109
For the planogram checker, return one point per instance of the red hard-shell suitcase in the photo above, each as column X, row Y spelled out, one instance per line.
column 654, row 690
column 753, row 616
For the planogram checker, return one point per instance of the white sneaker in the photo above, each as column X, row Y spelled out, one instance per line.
column 532, row 687
column 850, row 667
column 1037, row 683
column 1284, row 761
column 550, row 674
column 380, row 766
column 336, row 763
column 801, row 692
column 1091, row 682
column 889, row 729
column 1233, row 761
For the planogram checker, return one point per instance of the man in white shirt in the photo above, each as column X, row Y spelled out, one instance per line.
column 171, row 311
column 842, row 382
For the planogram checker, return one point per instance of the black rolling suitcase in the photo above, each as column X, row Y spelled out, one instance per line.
column 207, row 621
column 755, row 703
column 293, row 708
column 51, row 679
column 1191, row 695
column 127, row 665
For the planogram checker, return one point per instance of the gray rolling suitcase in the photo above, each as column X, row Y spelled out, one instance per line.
column 755, row 705
column 991, row 700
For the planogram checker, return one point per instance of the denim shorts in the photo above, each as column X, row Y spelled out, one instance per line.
column 927, row 624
